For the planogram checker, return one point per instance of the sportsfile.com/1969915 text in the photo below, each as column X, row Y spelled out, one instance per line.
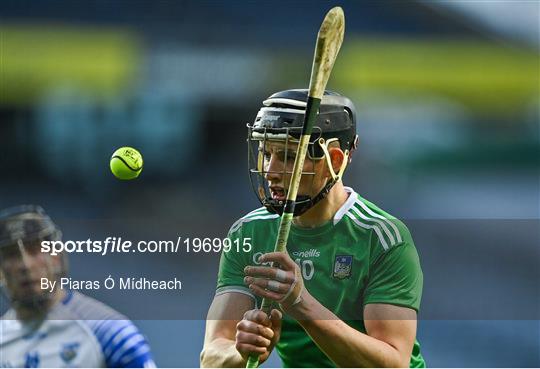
column 118, row 245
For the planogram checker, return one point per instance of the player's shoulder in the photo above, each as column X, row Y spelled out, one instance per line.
column 120, row 340
column 364, row 214
column 98, row 319
column 82, row 307
column 253, row 218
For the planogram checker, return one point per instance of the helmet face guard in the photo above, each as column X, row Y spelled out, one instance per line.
column 22, row 265
column 259, row 142
column 279, row 123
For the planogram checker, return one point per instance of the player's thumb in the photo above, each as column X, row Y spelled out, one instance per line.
column 275, row 317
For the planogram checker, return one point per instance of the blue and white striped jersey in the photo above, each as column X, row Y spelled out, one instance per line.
column 78, row 332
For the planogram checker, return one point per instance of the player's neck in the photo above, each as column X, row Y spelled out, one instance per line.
column 325, row 210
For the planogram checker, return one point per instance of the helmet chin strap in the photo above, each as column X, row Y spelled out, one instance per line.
column 324, row 146
column 303, row 202
column 322, row 194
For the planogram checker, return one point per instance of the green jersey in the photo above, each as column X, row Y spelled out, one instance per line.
column 363, row 256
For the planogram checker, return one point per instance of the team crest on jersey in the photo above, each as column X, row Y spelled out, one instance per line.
column 342, row 266
column 69, row 351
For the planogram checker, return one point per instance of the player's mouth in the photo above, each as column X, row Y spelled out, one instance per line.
column 278, row 193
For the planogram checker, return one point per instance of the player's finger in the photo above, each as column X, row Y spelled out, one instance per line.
column 247, row 349
column 259, row 291
column 251, row 327
column 278, row 257
column 269, row 284
column 257, row 316
column 276, row 317
column 270, row 273
column 252, row 339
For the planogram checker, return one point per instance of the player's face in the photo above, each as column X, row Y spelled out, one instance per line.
column 278, row 165
column 23, row 266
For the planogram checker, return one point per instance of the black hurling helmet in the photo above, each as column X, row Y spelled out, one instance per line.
column 22, row 229
column 280, row 119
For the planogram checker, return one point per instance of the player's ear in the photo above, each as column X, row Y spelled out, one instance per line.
column 336, row 158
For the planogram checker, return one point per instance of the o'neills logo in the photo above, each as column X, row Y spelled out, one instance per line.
column 312, row 253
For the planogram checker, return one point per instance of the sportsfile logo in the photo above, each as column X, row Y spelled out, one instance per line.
column 312, row 253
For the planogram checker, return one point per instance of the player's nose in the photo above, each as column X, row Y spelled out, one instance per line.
column 274, row 170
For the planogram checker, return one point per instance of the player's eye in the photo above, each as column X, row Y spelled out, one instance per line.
column 289, row 156
column 265, row 154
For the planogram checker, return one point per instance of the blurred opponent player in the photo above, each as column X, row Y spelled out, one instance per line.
column 62, row 328
column 350, row 282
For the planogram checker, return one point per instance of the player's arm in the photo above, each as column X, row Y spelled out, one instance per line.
column 127, row 349
column 234, row 332
column 234, row 329
column 225, row 313
column 391, row 331
column 219, row 340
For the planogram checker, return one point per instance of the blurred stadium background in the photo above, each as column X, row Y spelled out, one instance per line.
column 448, row 104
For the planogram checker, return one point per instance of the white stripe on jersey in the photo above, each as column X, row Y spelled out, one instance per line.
column 347, row 205
column 373, row 214
column 247, row 219
column 380, row 223
column 136, row 339
column 260, row 210
column 142, row 350
column 254, row 212
column 369, row 226
column 125, row 331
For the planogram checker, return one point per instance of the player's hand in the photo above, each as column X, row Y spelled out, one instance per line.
column 282, row 282
column 257, row 333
